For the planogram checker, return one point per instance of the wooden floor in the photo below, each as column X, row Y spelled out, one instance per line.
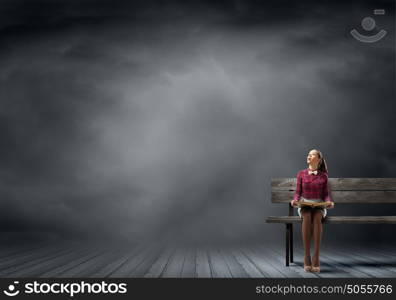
column 166, row 261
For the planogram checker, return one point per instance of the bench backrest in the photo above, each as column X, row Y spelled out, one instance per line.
column 343, row 190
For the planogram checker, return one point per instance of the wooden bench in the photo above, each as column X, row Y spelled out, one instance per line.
column 343, row 190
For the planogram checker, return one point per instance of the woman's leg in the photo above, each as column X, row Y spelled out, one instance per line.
column 317, row 235
column 306, row 234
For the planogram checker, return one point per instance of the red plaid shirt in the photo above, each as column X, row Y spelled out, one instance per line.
column 312, row 186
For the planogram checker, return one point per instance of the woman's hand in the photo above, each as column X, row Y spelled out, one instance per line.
column 330, row 205
column 293, row 203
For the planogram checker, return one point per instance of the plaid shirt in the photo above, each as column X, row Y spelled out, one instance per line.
column 312, row 186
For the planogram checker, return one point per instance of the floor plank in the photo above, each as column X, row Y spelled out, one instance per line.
column 23, row 257
column 247, row 265
column 39, row 268
column 80, row 257
column 84, row 266
column 262, row 263
column 236, row 269
column 273, row 259
column 127, row 268
column 361, row 263
column 159, row 265
column 340, row 262
column 141, row 269
column 376, row 260
column 17, row 250
column 218, row 265
column 175, row 264
column 189, row 264
column 123, row 256
column 27, row 261
column 202, row 264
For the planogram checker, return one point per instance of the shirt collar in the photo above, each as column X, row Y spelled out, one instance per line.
column 316, row 172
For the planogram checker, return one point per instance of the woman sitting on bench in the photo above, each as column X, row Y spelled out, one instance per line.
column 312, row 187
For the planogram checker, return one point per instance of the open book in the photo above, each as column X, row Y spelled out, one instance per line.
column 312, row 204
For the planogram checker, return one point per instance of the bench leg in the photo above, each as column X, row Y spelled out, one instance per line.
column 287, row 244
column 291, row 242
column 291, row 213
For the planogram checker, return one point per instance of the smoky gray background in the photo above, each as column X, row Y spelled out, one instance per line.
column 166, row 120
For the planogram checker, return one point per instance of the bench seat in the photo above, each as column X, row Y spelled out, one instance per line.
column 338, row 219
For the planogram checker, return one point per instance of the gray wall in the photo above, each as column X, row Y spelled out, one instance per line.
column 154, row 120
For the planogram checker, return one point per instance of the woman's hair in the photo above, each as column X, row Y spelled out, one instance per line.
column 322, row 166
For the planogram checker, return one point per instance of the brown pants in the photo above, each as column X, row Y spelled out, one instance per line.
column 311, row 227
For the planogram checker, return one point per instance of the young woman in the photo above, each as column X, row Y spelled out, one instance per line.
column 312, row 187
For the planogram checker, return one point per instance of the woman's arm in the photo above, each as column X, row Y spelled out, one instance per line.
column 298, row 192
column 326, row 191
column 327, row 194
